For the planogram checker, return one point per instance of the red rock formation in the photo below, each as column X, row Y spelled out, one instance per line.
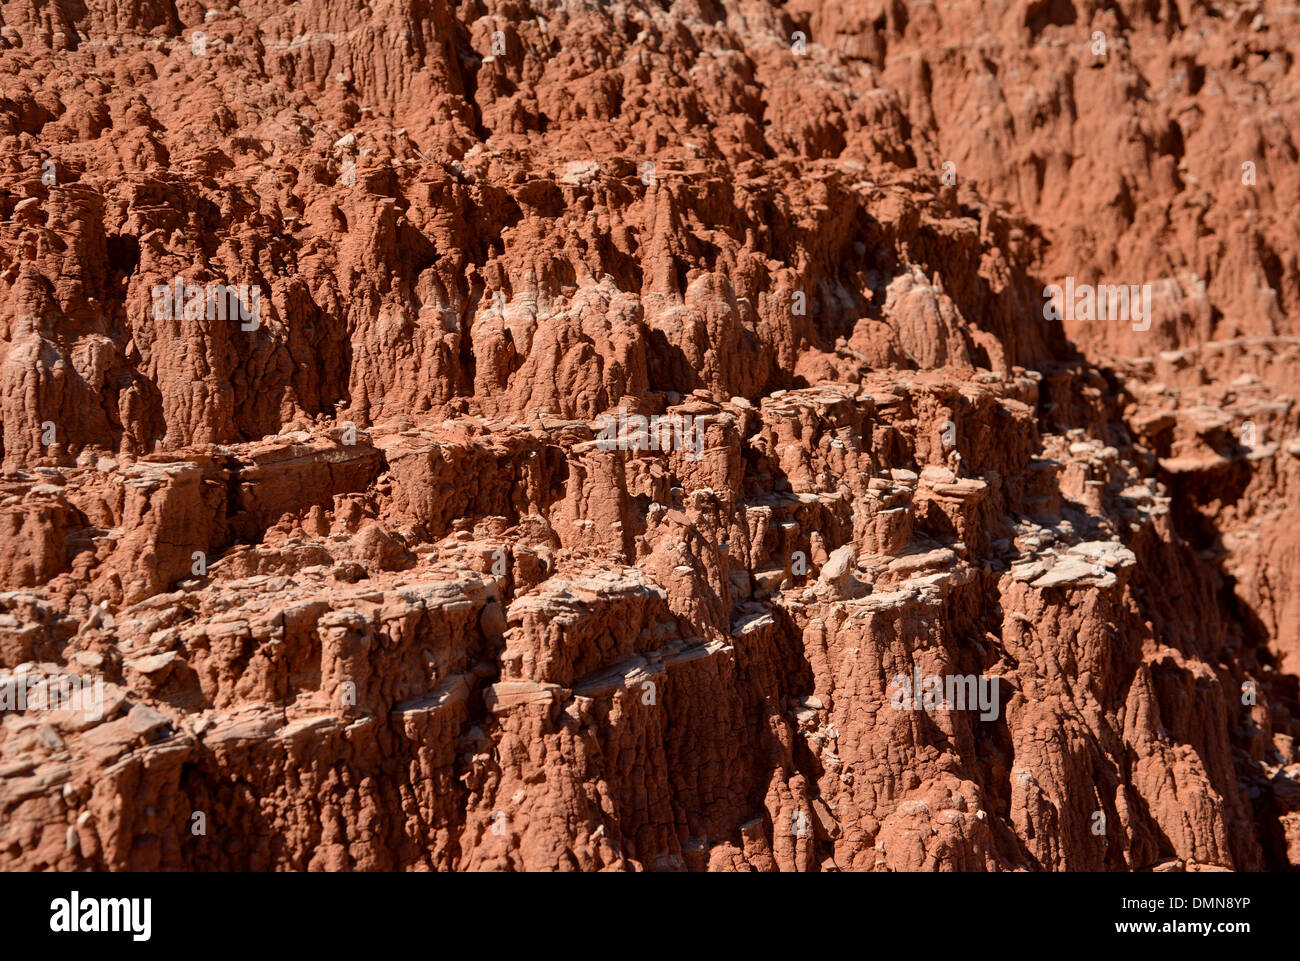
column 574, row 436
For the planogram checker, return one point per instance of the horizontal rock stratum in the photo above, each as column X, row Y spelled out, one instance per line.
column 649, row 435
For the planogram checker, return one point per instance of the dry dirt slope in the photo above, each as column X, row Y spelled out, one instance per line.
column 359, row 582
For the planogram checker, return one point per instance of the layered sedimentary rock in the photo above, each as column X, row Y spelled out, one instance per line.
column 569, row 435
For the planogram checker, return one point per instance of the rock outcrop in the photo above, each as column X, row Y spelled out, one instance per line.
column 618, row 435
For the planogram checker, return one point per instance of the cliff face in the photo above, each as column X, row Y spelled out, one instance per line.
column 630, row 435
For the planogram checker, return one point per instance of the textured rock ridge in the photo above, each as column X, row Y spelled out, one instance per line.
column 570, row 435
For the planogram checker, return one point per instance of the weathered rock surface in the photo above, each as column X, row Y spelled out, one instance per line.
column 359, row 581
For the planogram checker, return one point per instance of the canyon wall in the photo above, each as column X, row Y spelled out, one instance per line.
column 584, row 434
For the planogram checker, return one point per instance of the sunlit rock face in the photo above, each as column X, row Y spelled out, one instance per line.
column 649, row 436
